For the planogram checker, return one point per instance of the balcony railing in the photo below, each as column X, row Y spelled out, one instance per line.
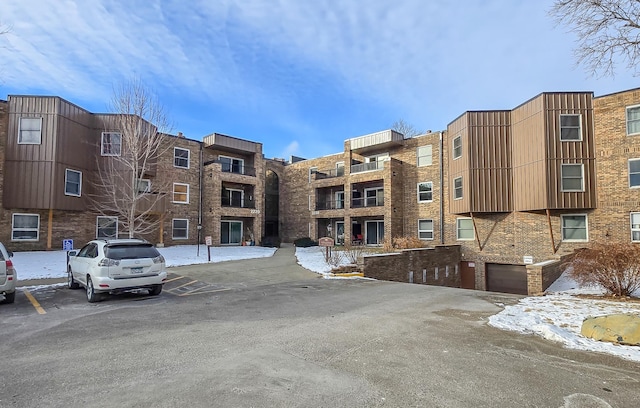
column 367, row 202
column 238, row 203
column 359, row 168
column 237, row 169
column 325, row 174
column 330, row 205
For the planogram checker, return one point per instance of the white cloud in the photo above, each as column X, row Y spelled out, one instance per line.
column 291, row 149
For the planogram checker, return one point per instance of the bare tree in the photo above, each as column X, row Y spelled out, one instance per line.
column 132, row 147
column 408, row 130
column 605, row 29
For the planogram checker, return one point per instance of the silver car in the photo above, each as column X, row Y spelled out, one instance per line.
column 8, row 276
column 116, row 265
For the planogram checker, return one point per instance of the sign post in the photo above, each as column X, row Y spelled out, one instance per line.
column 326, row 242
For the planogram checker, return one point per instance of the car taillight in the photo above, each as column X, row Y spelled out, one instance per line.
column 10, row 270
column 109, row 262
column 158, row 259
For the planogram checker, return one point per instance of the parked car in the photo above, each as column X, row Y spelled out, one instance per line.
column 116, row 265
column 8, row 275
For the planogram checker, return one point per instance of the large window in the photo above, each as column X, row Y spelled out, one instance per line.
column 425, row 192
column 570, row 128
column 574, row 227
column 634, row 173
column 25, row 227
column 106, row 227
column 232, row 164
column 30, row 131
column 180, row 227
column 181, row 158
column 425, row 229
column 457, row 147
column 457, row 188
column 572, row 177
column 464, row 229
column 180, row 193
column 425, row 156
column 633, row 120
column 635, row 227
column 72, row 183
column 111, row 144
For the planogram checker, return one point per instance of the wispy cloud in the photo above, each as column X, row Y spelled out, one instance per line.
column 291, row 149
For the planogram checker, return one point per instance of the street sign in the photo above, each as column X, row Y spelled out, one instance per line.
column 67, row 244
column 325, row 242
column 208, row 240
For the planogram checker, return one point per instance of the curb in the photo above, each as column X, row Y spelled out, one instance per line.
column 38, row 282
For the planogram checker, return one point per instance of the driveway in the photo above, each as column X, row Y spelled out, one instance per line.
column 286, row 338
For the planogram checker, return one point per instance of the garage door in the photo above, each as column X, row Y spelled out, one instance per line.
column 506, row 278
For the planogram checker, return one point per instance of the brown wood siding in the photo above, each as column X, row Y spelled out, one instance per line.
column 490, row 161
column 458, row 167
column 559, row 152
column 529, row 156
column 28, row 184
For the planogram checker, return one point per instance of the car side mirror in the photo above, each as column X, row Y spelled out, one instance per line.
column 72, row 253
column 10, row 254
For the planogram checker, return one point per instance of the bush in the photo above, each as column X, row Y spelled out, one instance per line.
column 305, row 242
column 613, row 266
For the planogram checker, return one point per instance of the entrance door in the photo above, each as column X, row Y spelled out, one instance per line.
column 231, row 232
column 340, row 232
column 374, row 232
column 467, row 275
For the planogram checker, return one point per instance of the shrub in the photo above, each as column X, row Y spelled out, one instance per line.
column 353, row 252
column 613, row 266
column 304, row 242
column 335, row 258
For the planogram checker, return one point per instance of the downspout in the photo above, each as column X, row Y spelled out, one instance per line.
column 441, row 190
column 200, row 171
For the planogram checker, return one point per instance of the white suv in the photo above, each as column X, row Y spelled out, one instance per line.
column 7, row 276
column 115, row 265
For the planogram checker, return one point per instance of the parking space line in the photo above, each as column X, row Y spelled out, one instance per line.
column 175, row 279
column 195, row 292
column 34, row 302
column 186, row 284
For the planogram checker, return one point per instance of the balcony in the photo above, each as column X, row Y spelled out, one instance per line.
column 238, row 202
column 236, row 168
column 330, row 204
column 326, row 174
column 371, row 166
column 363, row 202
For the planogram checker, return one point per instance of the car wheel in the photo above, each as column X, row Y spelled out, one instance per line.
column 9, row 297
column 155, row 290
column 92, row 296
column 70, row 281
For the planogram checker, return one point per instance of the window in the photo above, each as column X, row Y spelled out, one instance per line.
column 570, row 128
column 374, row 197
column 634, row 173
column 181, row 158
column 232, row 164
column 144, row 186
column 425, row 229
column 25, row 227
column 574, row 227
column 572, row 179
column 72, row 183
column 424, row 156
column 635, row 227
column 180, row 228
column 633, row 120
column 457, row 188
column 464, row 229
column 425, row 192
column 106, row 227
column 30, row 131
column 339, row 199
column 312, row 171
column 457, row 147
column 180, row 193
column 111, row 144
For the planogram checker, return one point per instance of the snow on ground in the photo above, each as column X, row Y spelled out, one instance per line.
column 53, row 264
column 313, row 259
column 557, row 316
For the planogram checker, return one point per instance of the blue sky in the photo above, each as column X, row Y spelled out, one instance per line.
column 299, row 76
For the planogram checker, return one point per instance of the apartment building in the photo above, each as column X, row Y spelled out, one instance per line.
column 381, row 185
column 55, row 156
column 511, row 187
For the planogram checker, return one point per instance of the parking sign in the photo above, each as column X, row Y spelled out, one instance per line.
column 67, row 244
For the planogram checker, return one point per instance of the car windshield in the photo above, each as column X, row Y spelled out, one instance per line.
column 131, row 251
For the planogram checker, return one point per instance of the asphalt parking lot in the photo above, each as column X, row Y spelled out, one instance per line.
column 289, row 339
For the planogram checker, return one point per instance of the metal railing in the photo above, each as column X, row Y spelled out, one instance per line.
column 325, row 174
column 359, row 168
column 367, row 202
column 330, row 205
column 238, row 203
column 237, row 169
